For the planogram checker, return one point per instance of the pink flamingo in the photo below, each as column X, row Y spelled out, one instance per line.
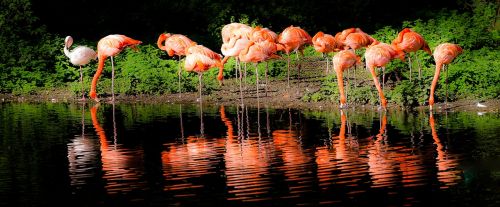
column 110, row 46
column 378, row 56
column 200, row 59
column 234, row 39
column 175, row 44
column 443, row 54
column 258, row 52
column 410, row 41
column 325, row 44
column 343, row 60
column 293, row 39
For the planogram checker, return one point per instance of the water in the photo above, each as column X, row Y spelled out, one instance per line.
column 162, row 155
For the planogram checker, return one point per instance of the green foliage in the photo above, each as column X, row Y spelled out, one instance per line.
column 33, row 59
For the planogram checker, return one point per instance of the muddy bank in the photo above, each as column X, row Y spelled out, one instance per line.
column 278, row 96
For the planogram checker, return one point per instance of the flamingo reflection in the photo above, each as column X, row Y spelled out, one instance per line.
column 341, row 164
column 382, row 163
column 82, row 155
column 189, row 160
column 247, row 162
column 448, row 173
column 119, row 165
column 295, row 160
column 387, row 162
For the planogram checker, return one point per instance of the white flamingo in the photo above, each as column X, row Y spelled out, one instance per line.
column 79, row 56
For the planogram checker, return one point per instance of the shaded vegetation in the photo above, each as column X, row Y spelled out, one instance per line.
column 32, row 57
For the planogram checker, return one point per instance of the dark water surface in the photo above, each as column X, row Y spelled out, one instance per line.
column 163, row 155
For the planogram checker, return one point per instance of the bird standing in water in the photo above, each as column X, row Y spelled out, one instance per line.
column 378, row 56
column 110, row 46
column 443, row 54
column 343, row 60
column 79, row 56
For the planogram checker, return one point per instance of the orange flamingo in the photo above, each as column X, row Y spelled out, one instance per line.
column 200, row 59
column 343, row 60
column 355, row 38
column 443, row 54
column 175, row 44
column 79, row 56
column 410, row 41
column 258, row 52
column 325, row 44
column 110, row 46
column 293, row 39
column 378, row 56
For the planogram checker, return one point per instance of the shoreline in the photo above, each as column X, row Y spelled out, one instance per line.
column 275, row 99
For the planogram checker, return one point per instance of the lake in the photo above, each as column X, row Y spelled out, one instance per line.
column 90, row 154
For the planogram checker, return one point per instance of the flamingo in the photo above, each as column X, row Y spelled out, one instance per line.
column 110, row 46
column 260, row 34
column 443, row 54
column 293, row 39
column 234, row 39
column 200, row 59
column 258, row 52
column 79, row 56
column 343, row 60
column 324, row 43
column 410, row 41
column 378, row 56
column 175, row 44
column 354, row 38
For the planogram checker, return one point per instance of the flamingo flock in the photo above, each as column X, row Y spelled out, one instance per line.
column 257, row 45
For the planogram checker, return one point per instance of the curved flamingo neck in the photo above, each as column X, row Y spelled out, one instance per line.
column 160, row 41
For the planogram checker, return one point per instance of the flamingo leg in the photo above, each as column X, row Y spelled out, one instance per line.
column 299, row 65
column 237, row 66
column 409, row 65
column 179, row 75
column 446, row 85
column 383, row 101
column 288, row 69
column 241, row 78
column 267, row 65
column 112, row 80
column 199, row 78
column 257, row 78
column 419, row 68
column 383, row 78
column 347, row 85
column 81, row 81
column 245, row 77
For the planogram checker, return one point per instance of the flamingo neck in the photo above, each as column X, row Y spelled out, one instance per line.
column 66, row 51
column 160, row 41
column 97, row 74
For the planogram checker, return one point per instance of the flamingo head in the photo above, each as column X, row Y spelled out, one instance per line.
column 68, row 41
